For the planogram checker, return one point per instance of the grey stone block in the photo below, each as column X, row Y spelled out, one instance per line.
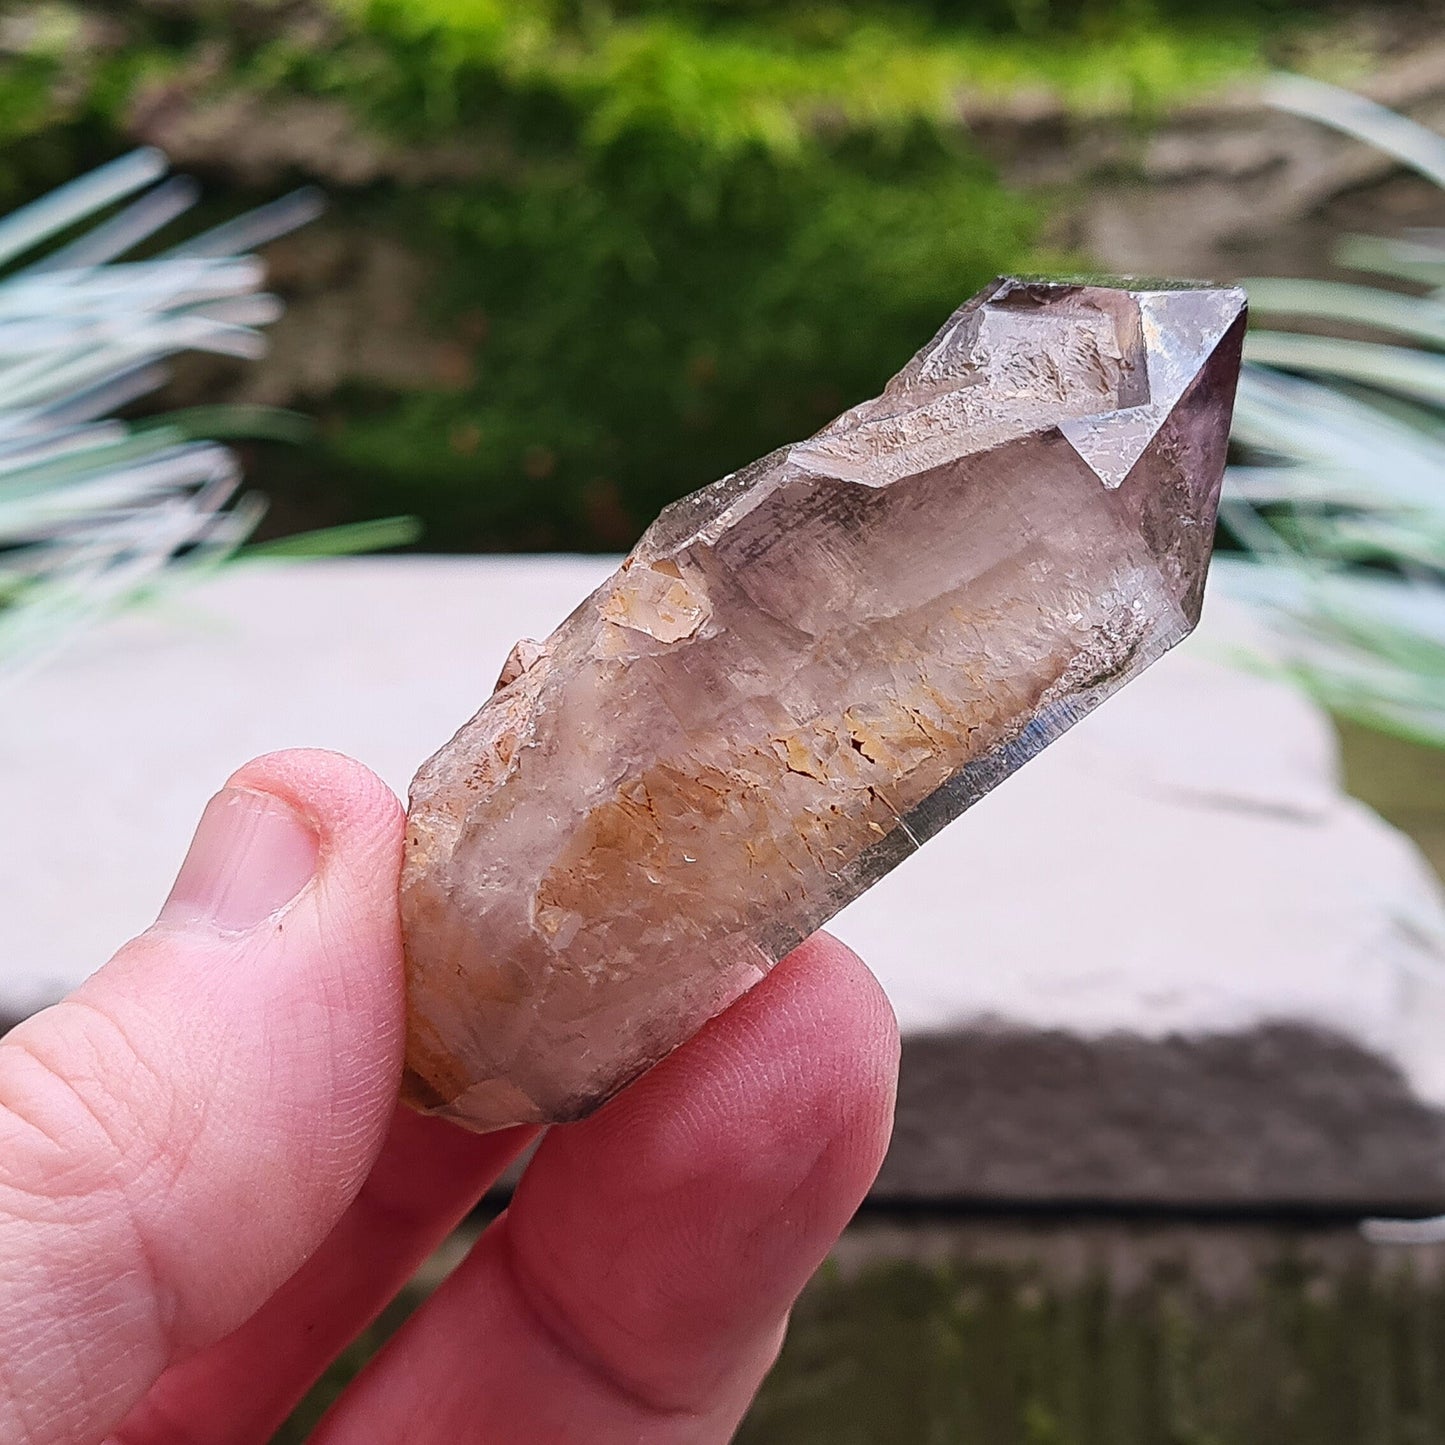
column 1168, row 961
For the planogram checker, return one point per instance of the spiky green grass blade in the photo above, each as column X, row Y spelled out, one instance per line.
column 95, row 512
column 1339, row 505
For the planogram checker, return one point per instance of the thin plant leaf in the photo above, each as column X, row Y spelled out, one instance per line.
column 1419, row 317
column 1378, row 126
column 28, row 227
column 123, row 232
column 381, row 535
column 1421, row 261
column 1338, row 506
column 98, row 513
column 1392, row 368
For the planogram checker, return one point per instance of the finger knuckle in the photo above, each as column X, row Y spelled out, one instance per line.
column 82, row 1112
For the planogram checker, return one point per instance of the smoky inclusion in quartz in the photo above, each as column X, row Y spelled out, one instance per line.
column 799, row 675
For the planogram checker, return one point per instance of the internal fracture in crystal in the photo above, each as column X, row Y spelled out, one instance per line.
column 799, row 674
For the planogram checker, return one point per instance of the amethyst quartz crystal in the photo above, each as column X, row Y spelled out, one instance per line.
column 799, row 675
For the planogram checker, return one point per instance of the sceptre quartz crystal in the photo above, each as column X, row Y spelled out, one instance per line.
column 799, row 675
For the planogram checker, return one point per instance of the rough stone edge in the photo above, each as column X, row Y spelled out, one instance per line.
column 1279, row 1116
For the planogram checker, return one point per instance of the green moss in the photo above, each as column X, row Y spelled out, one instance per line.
column 1002, row 1356
column 739, row 74
column 697, row 229
column 1296, row 1351
column 639, row 342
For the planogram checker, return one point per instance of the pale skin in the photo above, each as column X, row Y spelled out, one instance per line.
column 207, row 1188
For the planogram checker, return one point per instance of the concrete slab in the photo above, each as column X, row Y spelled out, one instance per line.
column 1181, row 867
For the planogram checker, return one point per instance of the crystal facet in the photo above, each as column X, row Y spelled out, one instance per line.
column 799, row 674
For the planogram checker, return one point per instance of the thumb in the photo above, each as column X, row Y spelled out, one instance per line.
column 182, row 1131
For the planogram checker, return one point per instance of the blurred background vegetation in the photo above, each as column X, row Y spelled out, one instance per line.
column 582, row 256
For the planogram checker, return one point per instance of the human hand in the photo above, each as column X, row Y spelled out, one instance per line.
column 206, row 1188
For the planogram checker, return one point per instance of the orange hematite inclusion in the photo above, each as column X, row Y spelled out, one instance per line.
column 801, row 673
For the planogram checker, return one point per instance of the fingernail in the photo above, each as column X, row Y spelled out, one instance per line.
column 251, row 855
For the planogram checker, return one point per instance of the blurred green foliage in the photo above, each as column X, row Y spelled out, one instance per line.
column 1004, row 1355
column 697, row 228
column 648, row 329
column 1291, row 1350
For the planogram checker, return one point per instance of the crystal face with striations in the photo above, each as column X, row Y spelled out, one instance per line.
column 800, row 674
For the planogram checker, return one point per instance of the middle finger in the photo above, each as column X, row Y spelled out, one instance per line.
column 428, row 1176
